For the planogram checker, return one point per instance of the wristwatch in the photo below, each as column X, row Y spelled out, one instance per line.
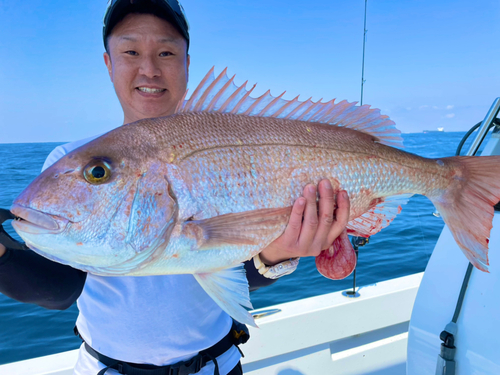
column 274, row 272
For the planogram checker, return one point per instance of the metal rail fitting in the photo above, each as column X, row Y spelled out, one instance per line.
column 483, row 129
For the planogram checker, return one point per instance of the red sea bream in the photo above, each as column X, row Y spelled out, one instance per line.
column 203, row 190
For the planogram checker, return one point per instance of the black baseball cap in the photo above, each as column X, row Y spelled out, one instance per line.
column 170, row 10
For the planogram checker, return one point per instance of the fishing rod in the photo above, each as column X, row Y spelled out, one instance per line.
column 363, row 59
column 357, row 242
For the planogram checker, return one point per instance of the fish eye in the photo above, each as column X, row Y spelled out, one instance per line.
column 97, row 172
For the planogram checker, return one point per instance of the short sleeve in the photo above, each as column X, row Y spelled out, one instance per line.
column 54, row 156
column 62, row 150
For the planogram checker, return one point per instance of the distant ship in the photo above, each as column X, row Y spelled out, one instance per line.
column 433, row 131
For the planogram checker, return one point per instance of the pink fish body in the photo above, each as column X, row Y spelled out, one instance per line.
column 204, row 190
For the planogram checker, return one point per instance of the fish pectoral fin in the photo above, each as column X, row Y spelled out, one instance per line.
column 229, row 289
column 258, row 227
column 377, row 217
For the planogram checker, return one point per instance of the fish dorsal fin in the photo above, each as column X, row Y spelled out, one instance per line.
column 377, row 217
column 220, row 94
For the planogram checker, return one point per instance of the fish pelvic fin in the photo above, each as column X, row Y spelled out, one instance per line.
column 466, row 206
column 229, row 289
column 377, row 217
column 221, row 94
column 339, row 260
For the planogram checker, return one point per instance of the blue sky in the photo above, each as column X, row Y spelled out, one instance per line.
column 428, row 63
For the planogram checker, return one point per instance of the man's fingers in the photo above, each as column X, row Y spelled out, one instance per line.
column 341, row 216
column 292, row 230
column 325, row 215
column 312, row 228
column 310, row 223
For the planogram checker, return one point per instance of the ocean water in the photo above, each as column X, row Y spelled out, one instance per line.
column 404, row 248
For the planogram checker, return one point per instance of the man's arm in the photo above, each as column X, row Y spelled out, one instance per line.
column 28, row 277
column 255, row 279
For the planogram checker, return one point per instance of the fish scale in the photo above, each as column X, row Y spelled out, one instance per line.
column 232, row 168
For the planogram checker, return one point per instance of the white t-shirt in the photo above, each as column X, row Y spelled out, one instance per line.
column 156, row 320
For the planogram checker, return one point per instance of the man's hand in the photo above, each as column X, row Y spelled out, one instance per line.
column 310, row 230
column 5, row 239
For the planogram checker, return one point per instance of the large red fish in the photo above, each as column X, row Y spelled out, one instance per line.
column 203, row 190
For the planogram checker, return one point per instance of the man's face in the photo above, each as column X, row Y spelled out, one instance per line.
column 148, row 65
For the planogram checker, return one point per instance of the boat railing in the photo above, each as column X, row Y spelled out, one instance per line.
column 485, row 126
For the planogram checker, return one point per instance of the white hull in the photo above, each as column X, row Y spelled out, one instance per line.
column 477, row 337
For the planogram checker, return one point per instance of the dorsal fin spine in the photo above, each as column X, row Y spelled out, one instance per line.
column 204, row 96
column 354, row 118
column 242, row 100
column 230, row 99
column 181, row 102
column 339, row 108
column 191, row 100
column 256, row 103
column 212, row 104
column 345, row 113
column 298, row 108
column 273, row 102
column 314, row 105
column 324, row 112
column 280, row 110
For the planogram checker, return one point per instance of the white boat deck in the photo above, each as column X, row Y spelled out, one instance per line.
column 327, row 334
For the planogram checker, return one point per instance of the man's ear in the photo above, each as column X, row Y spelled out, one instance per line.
column 187, row 67
column 107, row 61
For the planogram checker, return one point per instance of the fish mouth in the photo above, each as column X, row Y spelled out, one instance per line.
column 32, row 221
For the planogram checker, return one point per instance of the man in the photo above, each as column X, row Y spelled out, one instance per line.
column 136, row 324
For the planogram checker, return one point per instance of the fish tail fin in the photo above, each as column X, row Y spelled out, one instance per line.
column 467, row 205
